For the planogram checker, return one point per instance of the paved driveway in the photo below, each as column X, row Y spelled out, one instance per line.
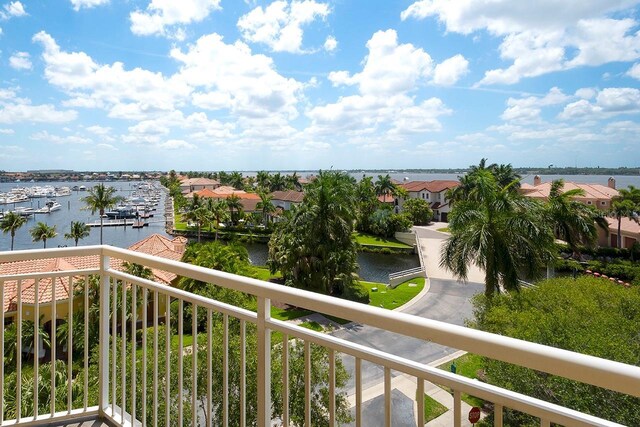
column 447, row 301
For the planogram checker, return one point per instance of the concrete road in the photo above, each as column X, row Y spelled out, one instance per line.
column 447, row 301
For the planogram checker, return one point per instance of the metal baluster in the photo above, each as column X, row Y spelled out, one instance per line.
column 285, row 380
column 387, row 397
column 123, row 352
column 225, row 370
column 420, row 400
column 243, row 374
column 2, row 353
column 19, row 354
column 167, row 345
column 144, row 355
column 36, row 347
column 70, row 344
column 497, row 415
column 86, row 343
column 194, row 365
column 264, row 362
column 134, row 329
column 114, row 348
column 457, row 408
column 209, row 369
column 307, row 384
column 155, row 358
column 180, row 356
column 358, row 392
column 332, row 387
column 54, row 330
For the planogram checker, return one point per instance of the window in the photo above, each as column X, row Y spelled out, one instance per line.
column 589, row 202
column 603, row 203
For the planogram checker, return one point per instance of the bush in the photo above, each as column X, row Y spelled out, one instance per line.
column 385, row 223
column 357, row 292
column 418, row 211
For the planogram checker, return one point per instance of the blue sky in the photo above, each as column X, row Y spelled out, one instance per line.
column 349, row 84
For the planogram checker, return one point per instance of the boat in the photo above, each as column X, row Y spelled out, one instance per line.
column 82, row 188
column 75, row 188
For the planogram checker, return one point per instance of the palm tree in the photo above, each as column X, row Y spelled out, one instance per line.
column 572, row 221
column 12, row 222
column 625, row 205
column 218, row 209
column 262, row 177
column 498, row 230
column 233, row 203
column 384, row 186
column 277, row 182
column 42, row 232
column 237, row 181
column 293, row 181
column 200, row 215
column 265, row 205
column 101, row 198
column 79, row 230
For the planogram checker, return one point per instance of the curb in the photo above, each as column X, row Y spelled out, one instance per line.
column 414, row 300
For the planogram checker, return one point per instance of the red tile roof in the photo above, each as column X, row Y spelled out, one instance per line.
column 198, row 181
column 591, row 191
column 155, row 244
column 288, row 196
column 435, row 186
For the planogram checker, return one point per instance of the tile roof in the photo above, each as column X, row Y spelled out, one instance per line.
column 626, row 226
column 435, row 186
column 155, row 244
column 288, row 196
column 223, row 193
column 198, row 181
column 591, row 191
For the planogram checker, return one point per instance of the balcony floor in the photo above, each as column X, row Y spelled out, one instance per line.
column 89, row 423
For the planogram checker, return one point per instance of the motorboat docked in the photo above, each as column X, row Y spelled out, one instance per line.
column 50, row 206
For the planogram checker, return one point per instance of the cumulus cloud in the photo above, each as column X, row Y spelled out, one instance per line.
column 20, row 61
column 449, row 71
column 7, row 131
column 634, row 71
column 608, row 102
column 164, row 17
column 229, row 76
column 541, row 37
column 330, row 44
column 176, row 144
column 87, row 4
column 132, row 94
column 56, row 139
column 12, row 9
column 528, row 109
column 27, row 113
column 279, row 25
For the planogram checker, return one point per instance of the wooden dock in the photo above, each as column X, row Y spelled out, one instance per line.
column 112, row 223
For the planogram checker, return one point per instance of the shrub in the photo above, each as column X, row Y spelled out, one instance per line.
column 357, row 292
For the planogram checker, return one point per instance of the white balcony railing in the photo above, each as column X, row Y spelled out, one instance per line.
column 134, row 393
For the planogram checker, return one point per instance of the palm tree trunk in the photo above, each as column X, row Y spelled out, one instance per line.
column 13, row 235
column 619, row 235
column 76, row 242
column 45, row 243
column 101, row 219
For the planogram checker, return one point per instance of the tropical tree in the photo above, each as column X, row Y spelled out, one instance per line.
column 100, row 199
column 572, row 221
column 277, row 182
column 11, row 222
column 366, row 202
column 41, row 232
column 384, row 186
column 28, row 340
column 293, row 181
column 500, row 231
column 625, row 205
column 314, row 249
column 418, row 211
column 266, row 206
column 262, row 177
column 218, row 209
column 237, row 180
column 79, row 230
column 199, row 215
column 234, row 205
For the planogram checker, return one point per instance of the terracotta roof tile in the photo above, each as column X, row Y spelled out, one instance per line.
column 288, row 196
column 435, row 186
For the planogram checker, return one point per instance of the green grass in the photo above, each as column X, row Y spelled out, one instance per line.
column 443, row 229
column 314, row 326
column 288, row 314
column 467, row 366
column 432, row 408
column 263, row 273
column 393, row 298
column 369, row 239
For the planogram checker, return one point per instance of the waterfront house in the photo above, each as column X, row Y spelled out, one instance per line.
column 596, row 195
column 286, row 199
column 249, row 201
column 189, row 185
column 434, row 192
column 629, row 230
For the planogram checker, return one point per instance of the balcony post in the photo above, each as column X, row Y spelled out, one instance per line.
column 264, row 363
column 105, row 287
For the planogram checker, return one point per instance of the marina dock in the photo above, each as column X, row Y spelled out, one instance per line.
column 113, row 223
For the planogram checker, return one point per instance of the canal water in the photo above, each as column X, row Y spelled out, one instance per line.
column 373, row 267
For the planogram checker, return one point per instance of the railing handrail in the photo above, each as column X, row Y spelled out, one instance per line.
column 604, row 373
column 404, row 272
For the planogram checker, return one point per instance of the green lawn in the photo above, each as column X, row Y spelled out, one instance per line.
column 393, row 298
column 467, row 366
column 314, row 326
column 263, row 273
column 443, row 229
column 369, row 239
column 288, row 314
column 432, row 409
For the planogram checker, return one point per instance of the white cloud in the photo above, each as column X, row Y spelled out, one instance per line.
column 528, row 109
column 130, row 94
column 87, row 4
column 99, row 130
column 108, row 147
column 7, row 131
column 634, row 71
column 20, row 61
column 26, row 113
column 608, row 102
column 13, row 9
column 411, row 65
column 330, row 44
column 56, row 139
column 540, row 37
column 279, row 25
column 233, row 78
column 449, row 71
column 176, row 144
column 162, row 16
